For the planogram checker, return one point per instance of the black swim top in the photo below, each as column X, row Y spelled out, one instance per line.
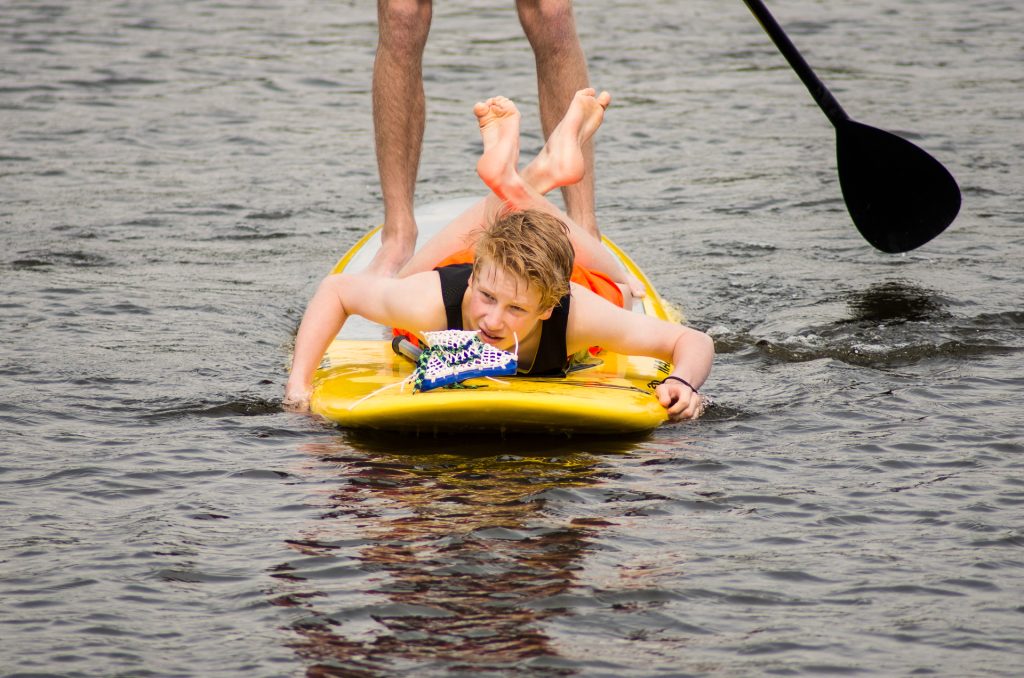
column 551, row 357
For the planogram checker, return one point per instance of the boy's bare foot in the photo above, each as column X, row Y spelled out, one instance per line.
column 499, row 129
column 560, row 162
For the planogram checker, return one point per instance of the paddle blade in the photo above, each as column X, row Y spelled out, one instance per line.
column 899, row 197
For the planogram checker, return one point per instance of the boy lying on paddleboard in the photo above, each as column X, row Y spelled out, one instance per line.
column 518, row 271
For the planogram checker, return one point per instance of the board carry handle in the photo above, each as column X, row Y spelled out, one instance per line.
column 405, row 348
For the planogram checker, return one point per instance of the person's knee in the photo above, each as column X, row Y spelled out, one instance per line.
column 404, row 24
column 547, row 23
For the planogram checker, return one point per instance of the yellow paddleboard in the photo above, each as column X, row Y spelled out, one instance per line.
column 612, row 394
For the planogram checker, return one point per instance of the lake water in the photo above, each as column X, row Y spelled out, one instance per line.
column 176, row 177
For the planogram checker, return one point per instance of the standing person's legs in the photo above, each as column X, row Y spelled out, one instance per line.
column 561, row 72
column 399, row 117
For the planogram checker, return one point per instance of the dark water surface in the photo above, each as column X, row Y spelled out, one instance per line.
column 176, row 176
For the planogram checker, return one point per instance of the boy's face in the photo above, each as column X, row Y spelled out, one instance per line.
column 502, row 307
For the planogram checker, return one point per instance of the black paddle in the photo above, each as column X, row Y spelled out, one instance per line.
column 899, row 197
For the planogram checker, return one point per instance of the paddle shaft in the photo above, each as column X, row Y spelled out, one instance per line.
column 815, row 86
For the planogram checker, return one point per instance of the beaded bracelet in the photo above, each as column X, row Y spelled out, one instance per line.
column 681, row 381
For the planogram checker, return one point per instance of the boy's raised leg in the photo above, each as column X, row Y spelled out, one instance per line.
column 562, row 161
column 498, row 164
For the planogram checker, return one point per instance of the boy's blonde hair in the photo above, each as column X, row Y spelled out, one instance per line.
column 533, row 246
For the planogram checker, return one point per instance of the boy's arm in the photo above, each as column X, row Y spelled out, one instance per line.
column 594, row 321
column 413, row 302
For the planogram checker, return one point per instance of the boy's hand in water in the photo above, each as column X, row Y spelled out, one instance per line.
column 296, row 399
column 680, row 400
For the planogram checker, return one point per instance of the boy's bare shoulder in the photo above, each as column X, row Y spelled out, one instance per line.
column 367, row 282
column 417, row 298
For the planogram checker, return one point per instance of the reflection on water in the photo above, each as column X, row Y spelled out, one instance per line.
column 450, row 558
column 896, row 301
